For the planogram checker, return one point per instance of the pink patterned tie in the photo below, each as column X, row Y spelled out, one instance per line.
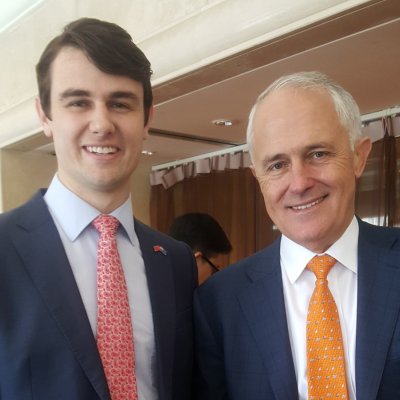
column 114, row 326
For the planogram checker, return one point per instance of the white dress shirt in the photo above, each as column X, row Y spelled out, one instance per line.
column 298, row 285
column 72, row 217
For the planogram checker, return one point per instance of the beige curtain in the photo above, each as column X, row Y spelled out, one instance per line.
column 378, row 197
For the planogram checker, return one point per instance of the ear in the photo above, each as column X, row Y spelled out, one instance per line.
column 197, row 254
column 253, row 171
column 150, row 119
column 361, row 151
column 45, row 122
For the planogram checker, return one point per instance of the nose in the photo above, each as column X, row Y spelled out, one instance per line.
column 101, row 122
column 300, row 178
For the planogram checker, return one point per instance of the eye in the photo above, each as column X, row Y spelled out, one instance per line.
column 276, row 166
column 78, row 103
column 319, row 154
column 121, row 106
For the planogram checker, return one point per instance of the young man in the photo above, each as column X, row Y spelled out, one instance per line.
column 273, row 326
column 95, row 102
column 206, row 238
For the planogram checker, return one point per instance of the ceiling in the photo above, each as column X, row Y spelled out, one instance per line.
column 359, row 49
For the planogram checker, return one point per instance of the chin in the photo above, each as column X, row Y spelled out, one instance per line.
column 310, row 240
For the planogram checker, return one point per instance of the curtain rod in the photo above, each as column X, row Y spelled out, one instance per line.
column 388, row 112
column 173, row 164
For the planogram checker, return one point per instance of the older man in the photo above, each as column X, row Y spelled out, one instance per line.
column 316, row 314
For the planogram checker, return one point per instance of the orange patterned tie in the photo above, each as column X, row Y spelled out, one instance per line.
column 326, row 371
column 114, row 326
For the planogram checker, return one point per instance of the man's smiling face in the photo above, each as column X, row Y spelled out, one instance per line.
column 97, row 125
column 306, row 166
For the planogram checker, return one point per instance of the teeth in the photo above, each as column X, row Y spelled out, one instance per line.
column 101, row 150
column 304, row 207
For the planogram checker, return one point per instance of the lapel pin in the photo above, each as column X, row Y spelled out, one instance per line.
column 159, row 249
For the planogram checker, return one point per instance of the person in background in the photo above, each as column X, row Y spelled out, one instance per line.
column 93, row 303
column 206, row 238
column 315, row 315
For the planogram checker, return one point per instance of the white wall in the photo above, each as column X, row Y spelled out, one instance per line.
column 22, row 174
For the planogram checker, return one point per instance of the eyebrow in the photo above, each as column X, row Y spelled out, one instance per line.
column 73, row 93
column 124, row 95
column 85, row 93
column 268, row 160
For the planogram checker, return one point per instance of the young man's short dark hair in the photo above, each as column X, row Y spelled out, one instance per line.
column 109, row 48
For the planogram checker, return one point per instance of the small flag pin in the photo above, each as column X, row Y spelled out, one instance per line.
column 160, row 249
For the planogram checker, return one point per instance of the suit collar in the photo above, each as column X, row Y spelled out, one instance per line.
column 378, row 305
column 265, row 262
column 44, row 258
column 160, row 279
column 263, row 305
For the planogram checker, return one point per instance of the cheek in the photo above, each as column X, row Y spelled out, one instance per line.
column 271, row 192
column 343, row 179
column 61, row 137
column 135, row 138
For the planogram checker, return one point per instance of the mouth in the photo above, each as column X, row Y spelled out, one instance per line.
column 101, row 149
column 308, row 205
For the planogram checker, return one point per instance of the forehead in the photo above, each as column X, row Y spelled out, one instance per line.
column 289, row 103
column 296, row 117
column 71, row 68
column 292, row 107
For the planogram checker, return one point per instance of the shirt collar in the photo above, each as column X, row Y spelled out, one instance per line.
column 295, row 257
column 73, row 214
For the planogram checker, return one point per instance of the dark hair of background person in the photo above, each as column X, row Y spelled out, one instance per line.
column 109, row 48
column 202, row 233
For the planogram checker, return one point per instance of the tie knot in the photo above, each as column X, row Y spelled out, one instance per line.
column 106, row 224
column 321, row 265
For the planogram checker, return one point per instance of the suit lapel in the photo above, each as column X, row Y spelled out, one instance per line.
column 44, row 258
column 378, row 307
column 162, row 297
column 263, row 306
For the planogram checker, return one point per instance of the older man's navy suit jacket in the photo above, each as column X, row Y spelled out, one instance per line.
column 242, row 340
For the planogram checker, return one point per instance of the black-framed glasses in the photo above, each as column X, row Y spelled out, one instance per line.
column 211, row 264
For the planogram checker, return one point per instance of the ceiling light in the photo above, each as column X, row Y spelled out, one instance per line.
column 147, row 152
column 222, row 122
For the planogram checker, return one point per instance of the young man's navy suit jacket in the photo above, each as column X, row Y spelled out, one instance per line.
column 47, row 348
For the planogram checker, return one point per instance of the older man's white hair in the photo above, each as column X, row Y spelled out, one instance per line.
column 345, row 106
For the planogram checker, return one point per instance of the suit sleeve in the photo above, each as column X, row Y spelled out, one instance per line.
column 209, row 370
